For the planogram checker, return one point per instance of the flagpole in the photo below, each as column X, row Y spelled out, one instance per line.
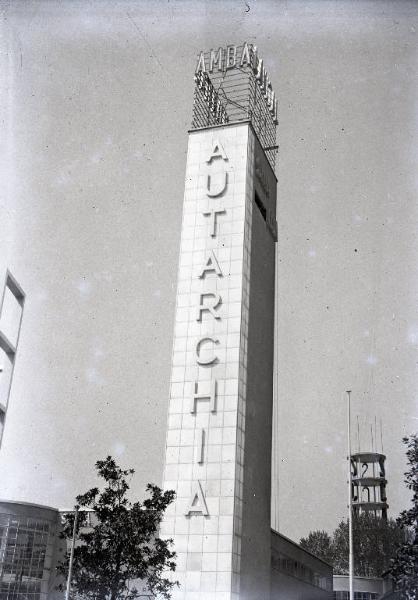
column 350, row 500
column 70, row 565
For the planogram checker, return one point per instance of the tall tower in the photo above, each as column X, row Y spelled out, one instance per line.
column 218, row 450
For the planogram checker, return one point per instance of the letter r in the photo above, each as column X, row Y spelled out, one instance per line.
column 209, row 307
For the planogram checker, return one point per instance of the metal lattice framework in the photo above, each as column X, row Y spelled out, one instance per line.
column 369, row 484
column 236, row 95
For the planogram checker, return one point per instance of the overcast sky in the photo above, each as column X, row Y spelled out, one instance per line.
column 96, row 104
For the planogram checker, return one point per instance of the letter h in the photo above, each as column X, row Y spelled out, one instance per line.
column 211, row 396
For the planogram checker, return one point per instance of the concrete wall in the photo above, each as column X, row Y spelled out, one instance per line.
column 255, row 557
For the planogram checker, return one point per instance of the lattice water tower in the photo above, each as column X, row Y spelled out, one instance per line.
column 369, row 484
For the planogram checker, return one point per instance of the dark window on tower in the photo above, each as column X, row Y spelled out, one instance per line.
column 2, row 416
column 261, row 206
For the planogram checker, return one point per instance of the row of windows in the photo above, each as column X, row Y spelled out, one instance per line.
column 23, row 555
column 295, row 568
column 21, row 590
column 357, row 595
column 23, row 546
column 12, row 533
column 14, row 523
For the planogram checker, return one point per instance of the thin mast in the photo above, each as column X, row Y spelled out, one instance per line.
column 350, row 516
column 70, row 564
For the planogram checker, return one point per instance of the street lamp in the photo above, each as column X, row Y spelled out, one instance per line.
column 70, row 565
column 350, row 501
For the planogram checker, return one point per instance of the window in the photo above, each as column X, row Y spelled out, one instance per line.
column 23, row 545
column 289, row 566
column 345, row 595
column 260, row 206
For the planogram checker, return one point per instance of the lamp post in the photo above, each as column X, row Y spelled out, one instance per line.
column 350, row 501
column 70, row 565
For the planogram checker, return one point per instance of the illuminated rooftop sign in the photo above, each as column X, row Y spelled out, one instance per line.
column 233, row 85
column 238, row 57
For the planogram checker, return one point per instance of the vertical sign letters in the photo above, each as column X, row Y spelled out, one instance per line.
column 209, row 307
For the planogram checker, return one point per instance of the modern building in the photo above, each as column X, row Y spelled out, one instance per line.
column 28, row 550
column 365, row 588
column 297, row 574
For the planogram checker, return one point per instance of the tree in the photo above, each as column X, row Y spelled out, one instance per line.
column 404, row 567
column 374, row 540
column 123, row 544
column 374, row 543
column 320, row 544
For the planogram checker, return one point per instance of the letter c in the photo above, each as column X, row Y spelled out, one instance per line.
column 211, row 359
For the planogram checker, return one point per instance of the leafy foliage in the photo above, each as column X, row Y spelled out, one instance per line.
column 320, row 544
column 123, row 544
column 374, row 541
column 404, row 567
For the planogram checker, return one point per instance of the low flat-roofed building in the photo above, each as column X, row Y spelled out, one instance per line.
column 28, row 540
column 296, row 574
column 391, row 595
column 30, row 547
column 365, row 588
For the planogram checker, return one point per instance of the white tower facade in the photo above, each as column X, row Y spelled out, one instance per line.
column 218, row 451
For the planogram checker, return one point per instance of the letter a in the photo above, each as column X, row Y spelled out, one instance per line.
column 201, row 63
column 245, row 58
column 217, row 152
column 211, row 266
column 198, row 502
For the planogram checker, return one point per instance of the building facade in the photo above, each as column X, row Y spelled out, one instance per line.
column 297, row 574
column 28, row 550
column 365, row 588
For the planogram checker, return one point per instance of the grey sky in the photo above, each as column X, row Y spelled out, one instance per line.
column 96, row 103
